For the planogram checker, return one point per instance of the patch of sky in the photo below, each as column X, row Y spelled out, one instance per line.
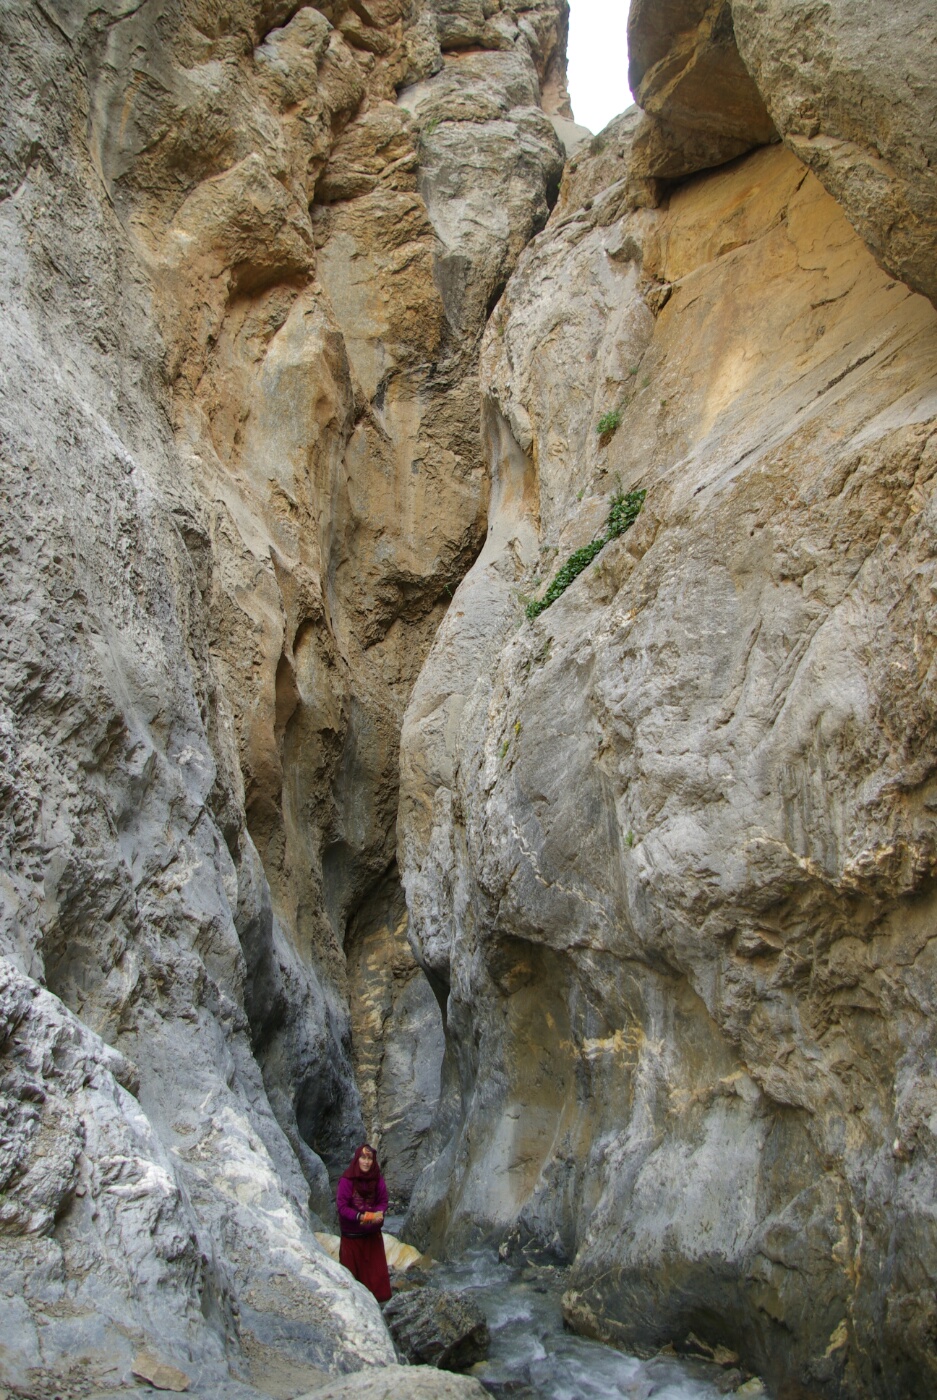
column 598, row 61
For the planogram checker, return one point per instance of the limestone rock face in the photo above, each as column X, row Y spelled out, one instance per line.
column 672, row 846
column 701, row 106
column 110, row 1238
column 241, row 477
column 854, row 95
column 397, row 1037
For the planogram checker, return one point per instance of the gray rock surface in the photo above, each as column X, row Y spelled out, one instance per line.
column 397, row 1038
column 671, row 846
column 121, row 1256
column 701, row 106
column 400, row 1383
column 438, row 1327
column 241, row 475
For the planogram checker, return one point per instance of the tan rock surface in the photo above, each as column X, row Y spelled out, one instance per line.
column 865, row 128
column 400, row 1383
column 670, row 844
column 717, row 77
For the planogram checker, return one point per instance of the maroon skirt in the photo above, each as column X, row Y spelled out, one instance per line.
column 366, row 1261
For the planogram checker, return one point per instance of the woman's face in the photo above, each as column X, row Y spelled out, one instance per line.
column 366, row 1160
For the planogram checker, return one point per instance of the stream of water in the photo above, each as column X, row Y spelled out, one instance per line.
column 534, row 1358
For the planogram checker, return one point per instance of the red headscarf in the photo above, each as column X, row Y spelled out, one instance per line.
column 364, row 1184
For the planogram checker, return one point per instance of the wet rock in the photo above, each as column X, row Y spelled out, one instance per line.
column 438, row 1327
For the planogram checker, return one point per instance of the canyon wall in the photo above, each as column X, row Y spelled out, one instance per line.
column 671, row 844
column 298, row 414
column 244, row 282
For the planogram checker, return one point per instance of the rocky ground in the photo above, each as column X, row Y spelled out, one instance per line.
column 298, row 415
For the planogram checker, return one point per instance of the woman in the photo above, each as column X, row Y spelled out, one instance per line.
column 362, row 1204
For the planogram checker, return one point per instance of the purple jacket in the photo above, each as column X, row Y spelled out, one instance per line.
column 348, row 1215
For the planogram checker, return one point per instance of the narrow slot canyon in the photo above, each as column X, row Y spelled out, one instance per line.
column 468, row 686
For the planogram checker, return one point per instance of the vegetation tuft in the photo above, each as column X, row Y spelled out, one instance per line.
column 624, row 511
column 609, row 422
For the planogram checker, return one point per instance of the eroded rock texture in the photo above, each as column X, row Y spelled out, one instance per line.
column 851, row 92
column 668, row 852
column 243, row 288
column 672, row 846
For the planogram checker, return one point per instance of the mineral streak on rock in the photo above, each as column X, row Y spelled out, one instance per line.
column 672, row 847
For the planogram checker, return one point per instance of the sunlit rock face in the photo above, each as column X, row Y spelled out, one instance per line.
column 672, row 845
column 243, row 291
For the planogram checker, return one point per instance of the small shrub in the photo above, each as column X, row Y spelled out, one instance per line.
column 573, row 567
column 624, row 511
column 629, row 839
column 609, row 422
column 431, row 126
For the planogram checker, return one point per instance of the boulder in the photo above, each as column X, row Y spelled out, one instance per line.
column 400, row 1383
column 438, row 1327
column 853, row 92
column 399, row 1256
column 701, row 106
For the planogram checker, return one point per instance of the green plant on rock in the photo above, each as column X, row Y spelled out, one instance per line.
column 609, row 422
column 624, row 511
